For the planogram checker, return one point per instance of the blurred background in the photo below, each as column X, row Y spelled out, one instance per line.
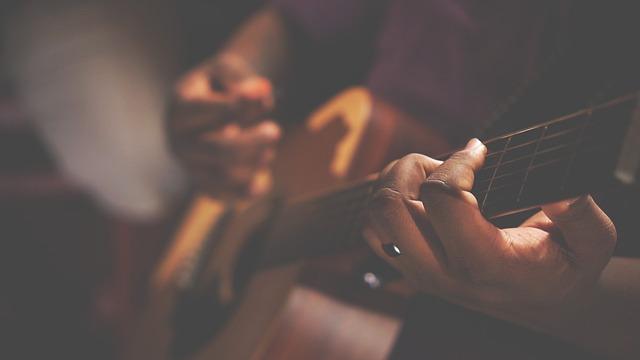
column 89, row 193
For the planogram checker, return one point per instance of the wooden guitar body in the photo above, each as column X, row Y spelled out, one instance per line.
column 302, row 309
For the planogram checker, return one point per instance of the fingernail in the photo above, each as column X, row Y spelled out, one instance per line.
column 473, row 143
column 564, row 206
column 476, row 146
column 573, row 201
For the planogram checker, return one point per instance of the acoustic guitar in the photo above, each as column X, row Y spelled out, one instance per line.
column 236, row 283
column 352, row 135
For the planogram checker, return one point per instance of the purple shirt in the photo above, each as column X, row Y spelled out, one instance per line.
column 446, row 62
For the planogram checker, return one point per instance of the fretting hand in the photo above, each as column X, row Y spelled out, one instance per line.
column 550, row 264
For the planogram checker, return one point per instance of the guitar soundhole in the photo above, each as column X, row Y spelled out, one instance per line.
column 199, row 314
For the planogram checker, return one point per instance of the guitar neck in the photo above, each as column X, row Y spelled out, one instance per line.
column 321, row 225
column 566, row 157
column 562, row 158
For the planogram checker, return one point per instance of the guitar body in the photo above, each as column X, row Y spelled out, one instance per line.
column 301, row 310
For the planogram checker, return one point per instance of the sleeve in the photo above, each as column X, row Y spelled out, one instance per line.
column 324, row 20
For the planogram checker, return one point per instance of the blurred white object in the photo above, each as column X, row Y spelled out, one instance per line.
column 94, row 77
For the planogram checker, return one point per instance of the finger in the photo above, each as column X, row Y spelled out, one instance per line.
column 405, row 175
column 397, row 217
column 375, row 244
column 452, row 208
column 198, row 105
column 423, row 265
column 587, row 230
column 234, row 144
column 186, row 116
column 195, row 103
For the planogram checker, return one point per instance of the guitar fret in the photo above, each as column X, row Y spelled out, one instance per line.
column 574, row 151
column 504, row 184
column 559, row 138
column 526, row 174
column 542, row 156
column 546, row 146
column 484, row 200
column 529, row 167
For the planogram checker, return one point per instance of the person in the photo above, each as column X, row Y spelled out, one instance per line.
column 449, row 64
column 221, row 106
column 554, row 273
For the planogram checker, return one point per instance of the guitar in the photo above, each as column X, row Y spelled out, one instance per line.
column 233, row 285
column 352, row 135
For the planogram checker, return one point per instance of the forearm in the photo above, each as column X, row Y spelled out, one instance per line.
column 264, row 42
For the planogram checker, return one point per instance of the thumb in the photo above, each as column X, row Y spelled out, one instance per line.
column 585, row 227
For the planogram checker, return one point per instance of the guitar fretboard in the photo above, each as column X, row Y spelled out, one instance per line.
column 558, row 159
column 566, row 157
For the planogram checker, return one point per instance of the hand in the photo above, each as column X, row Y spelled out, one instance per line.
column 218, row 129
column 550, row 264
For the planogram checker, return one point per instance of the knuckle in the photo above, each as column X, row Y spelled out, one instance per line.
column 437, row 184
column 413, row 158
column 462, row 157
column 384, row 202
column 410, row 161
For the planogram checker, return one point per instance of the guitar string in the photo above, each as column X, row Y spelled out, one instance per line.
column 622, row 101
column 537, row 166
column 535, row 152
column 574, row 151
column 617, row 116
column 541, row 139
column 484, row 198
column 552, row 136
column 480, row 179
